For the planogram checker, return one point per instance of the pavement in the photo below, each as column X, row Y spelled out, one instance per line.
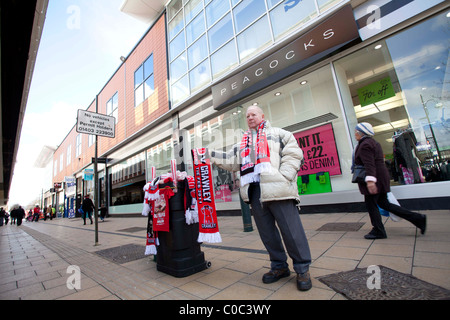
column 37, row 259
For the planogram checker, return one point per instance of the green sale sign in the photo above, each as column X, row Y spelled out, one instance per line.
column 376, row 91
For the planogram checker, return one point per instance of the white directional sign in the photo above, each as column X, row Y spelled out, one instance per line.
column 96, row 124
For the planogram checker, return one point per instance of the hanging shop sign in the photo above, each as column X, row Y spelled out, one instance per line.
column 332, row 34
column 319, row 151
column 88, row 174
column 375, row 92
column 96, row 124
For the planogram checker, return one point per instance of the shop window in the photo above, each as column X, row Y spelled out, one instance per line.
column 159, row 156
column 220, row 133
column 127, row 181
column 400, row 87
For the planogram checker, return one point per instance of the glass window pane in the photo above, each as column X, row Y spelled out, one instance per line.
column 173, row 8
column 272, row 3
column 254, row 39
column 326, row 4
column 109, row 108
column 285, row 21
column 220, row 33
column 224, row 59
column 149, row 87
column 115, row 101
column 148, row 67
column 234, row 2
column 197, row 52
column 179, row 67
column 139, row 95
column 422, row 68
column 177, row 46
column 246, row 12
column 138, row 76
column 195, row 29
column 215, row 10
column 180, row 90
column 200, row 76
column 192, row 8
column 176, row 25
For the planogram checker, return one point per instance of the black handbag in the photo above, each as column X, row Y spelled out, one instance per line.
column 359, row 174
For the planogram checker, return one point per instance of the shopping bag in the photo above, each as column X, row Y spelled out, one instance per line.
column 385, row 213
column 393, row 200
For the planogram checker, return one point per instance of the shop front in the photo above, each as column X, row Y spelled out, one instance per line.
column 398, row 85
column 319, row 86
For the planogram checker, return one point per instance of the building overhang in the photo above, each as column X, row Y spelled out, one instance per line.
column 21, row 28
column 144, row 10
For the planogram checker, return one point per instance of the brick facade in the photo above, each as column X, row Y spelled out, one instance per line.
column 130, row 118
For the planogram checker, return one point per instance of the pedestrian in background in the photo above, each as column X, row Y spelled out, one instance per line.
column 20, row 215
column 376, row 184
column 13, row 216
column 88, row 207
column 36, row 212
column 2, row 215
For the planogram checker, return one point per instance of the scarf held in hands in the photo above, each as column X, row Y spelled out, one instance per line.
column 250, row 171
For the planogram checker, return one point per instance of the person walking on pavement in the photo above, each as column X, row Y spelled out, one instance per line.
column 18, row 213
column 88, row 207
column 376, row 184
column 268, row 159
column 2, row 215
column 13, row 216
column 36, row 212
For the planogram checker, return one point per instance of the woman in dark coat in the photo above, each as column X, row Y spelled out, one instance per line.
column 377, row 184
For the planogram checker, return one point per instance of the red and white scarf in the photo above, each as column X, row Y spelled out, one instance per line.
column 207, row 216
column 250, row 171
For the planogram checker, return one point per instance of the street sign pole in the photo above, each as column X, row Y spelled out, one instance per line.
column 98, row 125
column 96, row 203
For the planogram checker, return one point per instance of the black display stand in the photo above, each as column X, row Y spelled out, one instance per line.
column 178, row 253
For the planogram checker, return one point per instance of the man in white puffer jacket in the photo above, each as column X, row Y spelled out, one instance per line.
column 268, row 180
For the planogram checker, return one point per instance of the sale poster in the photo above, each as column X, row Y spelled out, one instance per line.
column 319, row 150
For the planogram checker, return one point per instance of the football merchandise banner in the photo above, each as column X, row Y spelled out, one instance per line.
column 204, row 192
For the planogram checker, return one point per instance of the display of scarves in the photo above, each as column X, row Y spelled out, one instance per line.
column 190, row 201
column 151, row 192
column 207, row 216
column 161, row 210
column 250, row 170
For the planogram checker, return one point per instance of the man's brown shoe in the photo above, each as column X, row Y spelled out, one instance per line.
column 275, row 275
column 304, row 281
